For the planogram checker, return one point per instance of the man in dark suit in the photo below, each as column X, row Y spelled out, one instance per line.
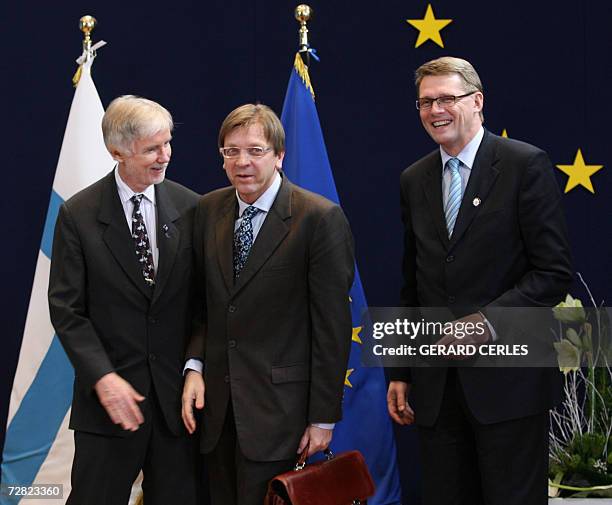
column 119, row 296
column 483, row 228
column 275, row 263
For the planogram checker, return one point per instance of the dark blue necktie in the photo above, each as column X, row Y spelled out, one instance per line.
column 141, row 240
column 243, row 239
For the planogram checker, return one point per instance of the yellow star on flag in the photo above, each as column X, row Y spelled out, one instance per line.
column 504, row 134
column 348, row 373
column 579, row 173
column 429, row 27
column 356, row 337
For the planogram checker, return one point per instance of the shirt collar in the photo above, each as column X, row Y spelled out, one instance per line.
column 265, row 201
column 126, row 193
column 467, row 154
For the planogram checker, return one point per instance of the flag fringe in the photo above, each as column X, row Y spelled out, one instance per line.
column 77, row 76
column 302, row 71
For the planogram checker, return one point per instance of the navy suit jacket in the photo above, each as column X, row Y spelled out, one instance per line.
column 510, row 250
column 105, row 315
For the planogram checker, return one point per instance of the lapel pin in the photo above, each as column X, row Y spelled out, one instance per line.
column 476, row 202
column 165, row 230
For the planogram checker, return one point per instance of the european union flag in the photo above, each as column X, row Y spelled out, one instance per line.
column 365, row 425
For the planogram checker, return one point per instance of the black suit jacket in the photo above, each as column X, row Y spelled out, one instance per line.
column 510, row 250
column 275, row 342
column 105, row 315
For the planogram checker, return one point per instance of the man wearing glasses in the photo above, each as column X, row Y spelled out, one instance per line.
column 483, row 227
column 275, row 266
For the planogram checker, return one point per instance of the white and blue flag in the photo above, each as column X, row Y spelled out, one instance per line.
column 38, row 447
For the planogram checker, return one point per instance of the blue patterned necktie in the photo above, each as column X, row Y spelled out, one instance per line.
column 243, row 239
column 454, row 195
column 141, row 240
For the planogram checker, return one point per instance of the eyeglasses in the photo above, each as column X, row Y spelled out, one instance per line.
column 442, row 101
column 252, row 152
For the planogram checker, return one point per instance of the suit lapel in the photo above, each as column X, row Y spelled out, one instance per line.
column 432, row 186
column 117, row 235
column 224, row 239
column 272, row 233
column 168, row 237
column 484, row 173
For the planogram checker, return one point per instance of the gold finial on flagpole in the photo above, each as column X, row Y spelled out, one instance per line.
column 86, row 25
column 303, row 13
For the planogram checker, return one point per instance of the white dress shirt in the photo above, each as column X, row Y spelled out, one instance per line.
column 147, row 208
column 263, row 203
column 466, row 157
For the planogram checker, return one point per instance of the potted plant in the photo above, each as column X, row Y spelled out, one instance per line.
column 580, row 453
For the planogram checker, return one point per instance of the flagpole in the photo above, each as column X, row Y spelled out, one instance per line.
column 86, row 25
column 303, row 13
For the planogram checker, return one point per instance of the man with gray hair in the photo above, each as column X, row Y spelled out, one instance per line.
column 119, row 297
column 483, row 228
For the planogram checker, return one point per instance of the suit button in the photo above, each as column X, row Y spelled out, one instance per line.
column 226, row 378
column 451, row 299
column 450, row 259
column 152, row 357
column 152, row 320
column 231, row 309
column 231, row 344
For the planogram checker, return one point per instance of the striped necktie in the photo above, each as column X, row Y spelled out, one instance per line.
column 454, row 195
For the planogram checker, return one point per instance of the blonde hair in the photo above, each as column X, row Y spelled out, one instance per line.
column 249, row 114
column 129, row 118
column 448, row 65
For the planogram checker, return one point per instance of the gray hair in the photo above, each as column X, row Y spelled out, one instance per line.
column 129, row 118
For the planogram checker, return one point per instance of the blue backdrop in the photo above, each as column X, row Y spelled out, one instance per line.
column 545, row 67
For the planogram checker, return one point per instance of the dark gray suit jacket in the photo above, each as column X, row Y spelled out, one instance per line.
column 277, row 341
column 105, row 315
column 511, row 250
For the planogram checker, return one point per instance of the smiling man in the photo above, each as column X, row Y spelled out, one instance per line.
column 274, row 263
column 483, row 227
column 120, row 302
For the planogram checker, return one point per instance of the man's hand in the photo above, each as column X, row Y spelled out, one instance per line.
column 318, row 438
column 193, row 393
column 397, row 403
column 120, row 400
column 475, row 333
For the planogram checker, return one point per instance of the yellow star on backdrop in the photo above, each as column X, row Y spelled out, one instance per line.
column 429, row 27
column 504, row 134
column 579, row 173
column 356, row 337
column 348, row 373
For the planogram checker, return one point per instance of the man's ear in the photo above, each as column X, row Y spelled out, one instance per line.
column 479, row 100
column 279, row 163
column 117, row 155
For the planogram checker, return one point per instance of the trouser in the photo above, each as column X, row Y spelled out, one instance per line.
column 468, row 463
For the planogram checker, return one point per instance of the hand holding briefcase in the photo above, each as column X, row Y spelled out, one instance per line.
column 339, row 480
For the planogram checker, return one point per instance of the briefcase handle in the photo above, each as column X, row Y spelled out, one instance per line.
column 301, row 461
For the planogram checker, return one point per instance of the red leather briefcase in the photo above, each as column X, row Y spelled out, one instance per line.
column 339, row 480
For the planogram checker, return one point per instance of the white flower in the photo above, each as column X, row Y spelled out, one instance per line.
column 568, row 356
column 570, row 311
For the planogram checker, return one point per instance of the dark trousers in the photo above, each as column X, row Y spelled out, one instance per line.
column 468, row 463
column 234, row 479
column 105, row 467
